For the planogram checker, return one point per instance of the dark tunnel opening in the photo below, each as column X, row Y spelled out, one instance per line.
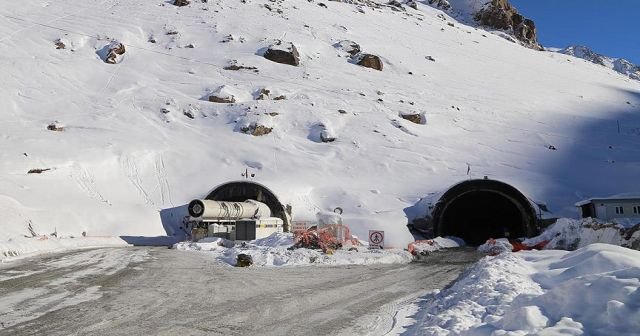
column 477, row 210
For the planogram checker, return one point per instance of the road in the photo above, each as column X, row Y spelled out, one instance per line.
column 157, row 291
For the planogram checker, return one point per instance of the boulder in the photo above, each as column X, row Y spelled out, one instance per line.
column 414, row 118
column 222, row 100
column 114, row 49
column 370, row 61
column 256, row 130
column 283, row 53
column 181, row 3
column 350, row 47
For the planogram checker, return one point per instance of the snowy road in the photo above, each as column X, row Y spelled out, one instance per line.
column 136, row 291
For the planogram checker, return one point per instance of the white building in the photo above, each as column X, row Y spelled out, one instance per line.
column 606, row 208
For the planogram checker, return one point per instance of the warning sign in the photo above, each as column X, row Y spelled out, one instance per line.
column 376, row 240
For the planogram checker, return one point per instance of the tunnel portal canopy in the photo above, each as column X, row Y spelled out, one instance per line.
column 477, row 210
column 240, row 191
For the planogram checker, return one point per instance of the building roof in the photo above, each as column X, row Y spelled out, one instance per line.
column 618, row 197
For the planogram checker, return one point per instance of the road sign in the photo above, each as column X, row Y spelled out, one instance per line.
column 376, row 239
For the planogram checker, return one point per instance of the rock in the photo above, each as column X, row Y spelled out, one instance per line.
column 256, row 130
column 114, row 49
column 38, row 170
column 443, row 4
column 181, row 3
column 263, row 94
column 412, row 4
column 283, row 53
column 244, row 260
column 326, row 136
column 370, row 61
column 59, row 44
column 500, row 14
column 281, row 97
column 350, row 47
column 55, row 127
column 414, row 118
column 222, row 100
column 233, row 66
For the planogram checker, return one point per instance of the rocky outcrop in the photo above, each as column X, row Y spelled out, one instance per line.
column 500, row 14
column 283, row 53
column 181, row 3
column 370, row 61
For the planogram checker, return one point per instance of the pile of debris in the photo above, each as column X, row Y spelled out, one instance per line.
column 328, row 238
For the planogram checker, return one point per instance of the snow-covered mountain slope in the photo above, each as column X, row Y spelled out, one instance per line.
column 140, row 136
column 620, row 65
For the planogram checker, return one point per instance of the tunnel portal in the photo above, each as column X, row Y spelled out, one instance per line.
column 477, row 210
column 241, row 191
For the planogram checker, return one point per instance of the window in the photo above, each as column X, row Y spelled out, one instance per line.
column 636, row 209
column 619, row 210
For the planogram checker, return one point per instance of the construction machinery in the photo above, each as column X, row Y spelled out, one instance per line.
column 246, row 220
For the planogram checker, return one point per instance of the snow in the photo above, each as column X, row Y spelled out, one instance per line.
column 130, row 157
column 274, row 251
column 496, row 246
column 590, row 291
column 570, row 234
column 424, row 247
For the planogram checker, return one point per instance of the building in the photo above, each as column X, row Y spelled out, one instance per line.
column 606, row 208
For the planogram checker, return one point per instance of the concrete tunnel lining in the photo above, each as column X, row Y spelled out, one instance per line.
column 477, row 210
column 240, row 191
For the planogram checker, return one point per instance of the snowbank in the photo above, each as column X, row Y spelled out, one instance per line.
column 424, row 247
column 593, row 290
column 570, row 234
column 19, row 247
column 273, row 251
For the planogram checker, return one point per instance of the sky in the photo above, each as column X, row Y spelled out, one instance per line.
column 611, row 28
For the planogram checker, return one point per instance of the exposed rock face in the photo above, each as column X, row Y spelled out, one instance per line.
column 500, row 14
column 284, row 53
column 181, row 3
column 371, row 61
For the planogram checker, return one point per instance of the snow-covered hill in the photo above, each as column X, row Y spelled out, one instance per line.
column 620, row 65
column 128, row 140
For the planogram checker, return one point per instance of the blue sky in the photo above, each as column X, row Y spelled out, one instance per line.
column 609, row 27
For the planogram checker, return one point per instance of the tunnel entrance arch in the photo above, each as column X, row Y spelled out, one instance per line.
column 477, row 210
column 240, row 191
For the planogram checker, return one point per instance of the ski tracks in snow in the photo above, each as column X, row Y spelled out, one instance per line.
column 163, row 181
column 130, row 169
column 160, row 195
column 86, row 183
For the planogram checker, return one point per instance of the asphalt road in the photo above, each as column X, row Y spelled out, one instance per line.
column 156, row 291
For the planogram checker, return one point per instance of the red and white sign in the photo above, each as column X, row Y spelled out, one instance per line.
column 376, row 239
